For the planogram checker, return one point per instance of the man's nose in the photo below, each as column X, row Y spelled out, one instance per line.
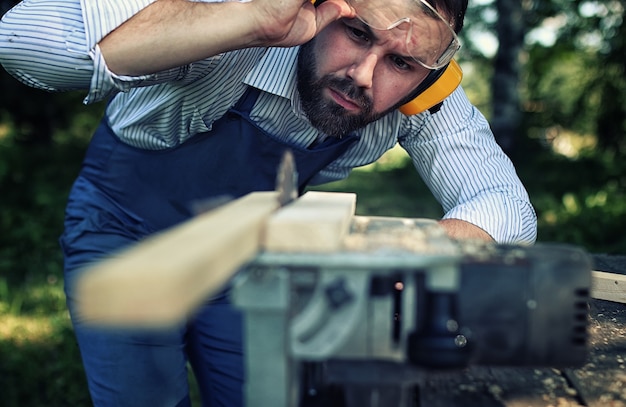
column 362, row 71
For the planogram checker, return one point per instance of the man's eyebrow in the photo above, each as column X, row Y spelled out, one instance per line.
column 365, row 27
column 428, row 11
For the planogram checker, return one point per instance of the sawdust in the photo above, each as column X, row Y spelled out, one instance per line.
column 383, row 234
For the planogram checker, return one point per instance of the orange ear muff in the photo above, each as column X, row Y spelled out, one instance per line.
column 434, row 94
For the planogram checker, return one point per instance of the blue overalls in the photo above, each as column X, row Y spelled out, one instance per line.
column 123, row 194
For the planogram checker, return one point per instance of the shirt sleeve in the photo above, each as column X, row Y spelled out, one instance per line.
column 53, row 45
column 42, row 46
column 456, row 154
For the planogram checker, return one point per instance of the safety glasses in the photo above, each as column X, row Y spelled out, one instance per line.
column 429, row 38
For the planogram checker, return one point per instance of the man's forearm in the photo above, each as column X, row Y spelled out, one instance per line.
column 460, row 229
column 171, row 33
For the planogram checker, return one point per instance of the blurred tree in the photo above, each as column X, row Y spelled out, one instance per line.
column 575, row 70
column 504, row 20
column 610, row 68
column 510, row 30
column 33, row 115
column 559, row 63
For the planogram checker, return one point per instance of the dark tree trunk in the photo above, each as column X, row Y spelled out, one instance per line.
column 506, row 118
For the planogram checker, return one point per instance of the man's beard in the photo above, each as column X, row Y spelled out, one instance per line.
column 326, row 115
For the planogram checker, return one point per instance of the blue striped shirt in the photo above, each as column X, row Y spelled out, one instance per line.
column 53, row 45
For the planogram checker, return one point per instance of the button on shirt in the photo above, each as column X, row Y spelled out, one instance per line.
column 52, row 45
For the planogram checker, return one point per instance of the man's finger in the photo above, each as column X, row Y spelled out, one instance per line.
column 332, row 10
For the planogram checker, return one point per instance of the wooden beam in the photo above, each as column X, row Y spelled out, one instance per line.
column 165, row 277
column 608, row 286
column 317, row 222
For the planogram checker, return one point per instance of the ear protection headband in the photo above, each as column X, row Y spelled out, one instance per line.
column 437, row 86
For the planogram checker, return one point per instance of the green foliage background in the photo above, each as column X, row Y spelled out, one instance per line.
column 580, row 198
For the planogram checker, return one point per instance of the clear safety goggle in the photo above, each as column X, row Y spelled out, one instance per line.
column 429, row 38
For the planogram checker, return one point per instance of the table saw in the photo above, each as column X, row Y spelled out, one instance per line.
column 363, row 325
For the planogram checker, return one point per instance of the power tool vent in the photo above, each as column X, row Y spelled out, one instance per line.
column 581, row 315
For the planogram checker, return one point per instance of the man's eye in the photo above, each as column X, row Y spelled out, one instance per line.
column 400, row 62
column 357, row 34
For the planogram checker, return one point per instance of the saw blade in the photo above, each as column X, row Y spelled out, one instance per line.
column 287, row 179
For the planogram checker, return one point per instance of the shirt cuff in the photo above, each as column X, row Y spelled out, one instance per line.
column 507, row 220
column 100, row 18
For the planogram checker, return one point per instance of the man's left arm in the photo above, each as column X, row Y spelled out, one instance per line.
column 456, row 154
column 461, row 229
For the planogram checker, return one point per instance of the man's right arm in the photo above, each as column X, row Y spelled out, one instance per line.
column 117, row 44
column 170, row 33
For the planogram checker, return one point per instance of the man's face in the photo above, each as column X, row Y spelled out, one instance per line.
column 351, row 75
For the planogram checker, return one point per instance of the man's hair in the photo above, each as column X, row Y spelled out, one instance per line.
column 454, row 9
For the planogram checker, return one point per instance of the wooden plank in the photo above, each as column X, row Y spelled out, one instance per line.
column 608, row 286
column 316, row 222
column 165, row 277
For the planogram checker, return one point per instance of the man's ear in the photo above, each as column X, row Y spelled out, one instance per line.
column 437, row 86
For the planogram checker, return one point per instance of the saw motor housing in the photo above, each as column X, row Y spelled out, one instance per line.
column 402, row 299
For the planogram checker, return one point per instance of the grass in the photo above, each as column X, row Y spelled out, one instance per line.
column 388, row 187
